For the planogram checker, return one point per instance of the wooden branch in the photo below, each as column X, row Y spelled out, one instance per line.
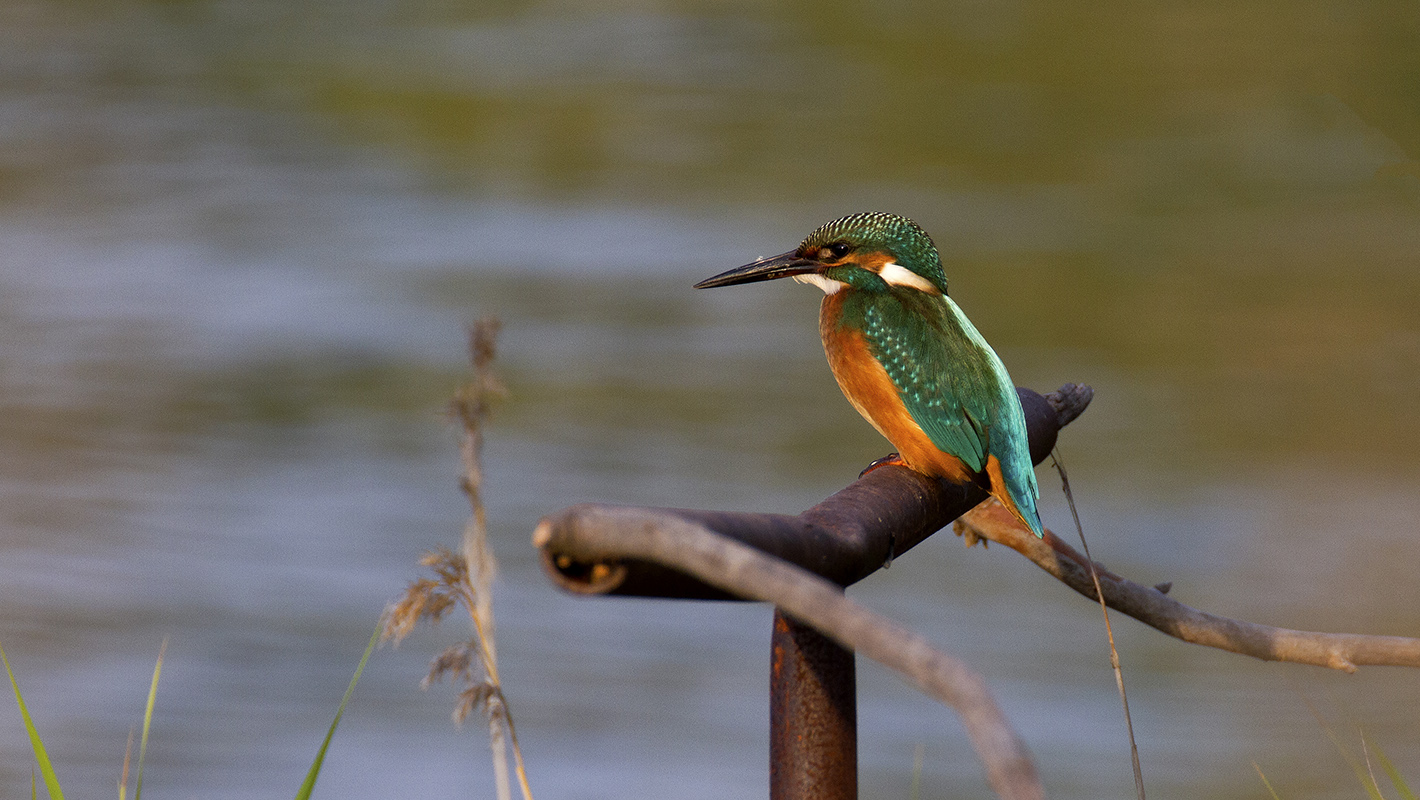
column 1150, row 605
column 602, row 535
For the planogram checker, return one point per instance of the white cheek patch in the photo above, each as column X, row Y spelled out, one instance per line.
column 828, row 285
column 898, row 275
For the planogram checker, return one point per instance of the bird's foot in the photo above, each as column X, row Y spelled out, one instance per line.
column 890, row 458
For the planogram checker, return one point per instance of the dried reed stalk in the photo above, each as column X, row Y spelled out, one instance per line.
column 467, row 578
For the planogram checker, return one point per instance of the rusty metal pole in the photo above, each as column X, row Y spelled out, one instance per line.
column 813, row 716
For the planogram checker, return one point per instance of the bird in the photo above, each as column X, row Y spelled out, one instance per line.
column 906, row 356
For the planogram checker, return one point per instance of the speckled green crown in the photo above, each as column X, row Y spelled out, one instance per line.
column 903, row 239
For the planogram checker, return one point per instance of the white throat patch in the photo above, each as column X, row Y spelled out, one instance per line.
column 828, row 285
column 898, row 275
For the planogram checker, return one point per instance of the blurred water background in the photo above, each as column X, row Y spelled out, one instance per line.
column 239, row 242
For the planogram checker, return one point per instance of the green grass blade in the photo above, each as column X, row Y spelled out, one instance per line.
column 123, row 774
column 148, row 719
column 914, row 791
column 51, row 781
column 1363, row 774
column 1266, row 782
column 1391, row 772
column 310, row 783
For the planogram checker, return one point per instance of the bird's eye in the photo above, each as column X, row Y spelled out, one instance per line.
column 836, row 250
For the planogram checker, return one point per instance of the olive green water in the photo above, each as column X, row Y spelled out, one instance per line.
column 238, row 243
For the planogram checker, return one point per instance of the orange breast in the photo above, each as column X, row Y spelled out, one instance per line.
column 867, row 386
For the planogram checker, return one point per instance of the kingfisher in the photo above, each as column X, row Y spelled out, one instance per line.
column 906, row 356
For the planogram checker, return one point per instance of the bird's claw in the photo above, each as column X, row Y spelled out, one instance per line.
column 889, row 459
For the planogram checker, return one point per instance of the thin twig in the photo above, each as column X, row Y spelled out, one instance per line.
column 1108, row 628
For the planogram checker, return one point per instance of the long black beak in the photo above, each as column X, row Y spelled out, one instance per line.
column 765, row 269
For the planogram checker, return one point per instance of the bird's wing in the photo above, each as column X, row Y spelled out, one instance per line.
column 956, row 389
column 947, row 386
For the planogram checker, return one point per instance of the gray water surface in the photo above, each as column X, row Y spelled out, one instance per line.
column 241, row 240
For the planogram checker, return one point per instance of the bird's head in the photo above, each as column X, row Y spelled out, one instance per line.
column 873, row 252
